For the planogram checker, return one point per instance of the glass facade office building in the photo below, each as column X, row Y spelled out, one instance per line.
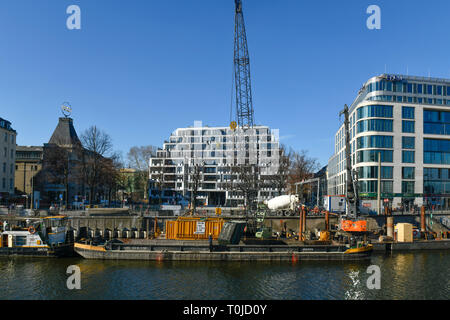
column 405, row 120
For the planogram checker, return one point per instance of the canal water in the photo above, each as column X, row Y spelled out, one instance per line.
column 423, row 275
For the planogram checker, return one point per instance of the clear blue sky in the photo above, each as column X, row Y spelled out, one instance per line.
column 139, row 69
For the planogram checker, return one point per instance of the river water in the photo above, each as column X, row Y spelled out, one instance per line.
column 423, row 275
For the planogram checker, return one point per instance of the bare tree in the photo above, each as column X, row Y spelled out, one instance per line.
column 281, row 177
column 196, row 171
column 302, row 167
column 138, row 159
column 110, row 175
column 97, row 145
column 248, row 182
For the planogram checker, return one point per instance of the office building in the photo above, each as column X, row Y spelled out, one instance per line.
column 405, row 120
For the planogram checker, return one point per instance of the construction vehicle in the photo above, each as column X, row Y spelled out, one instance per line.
column 351, row 222
column 283, row 205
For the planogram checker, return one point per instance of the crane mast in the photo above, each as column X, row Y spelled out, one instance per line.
column 244, row 103
column 351, row 195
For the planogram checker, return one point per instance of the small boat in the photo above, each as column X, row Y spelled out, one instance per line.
column 42, row 237
column 202, row 251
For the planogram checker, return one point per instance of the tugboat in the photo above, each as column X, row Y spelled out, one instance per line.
column 44, row 237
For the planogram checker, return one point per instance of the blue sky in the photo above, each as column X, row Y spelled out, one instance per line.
column 139, row 69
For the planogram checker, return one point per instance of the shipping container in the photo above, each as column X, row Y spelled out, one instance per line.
column 190, row 228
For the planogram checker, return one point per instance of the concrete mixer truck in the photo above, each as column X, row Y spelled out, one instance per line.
column 283, row 205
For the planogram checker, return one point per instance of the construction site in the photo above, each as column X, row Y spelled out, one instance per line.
column 248, row 220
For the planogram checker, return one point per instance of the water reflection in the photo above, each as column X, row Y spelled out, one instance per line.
column 403, row 276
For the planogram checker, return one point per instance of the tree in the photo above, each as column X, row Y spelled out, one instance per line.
column 196, row 172
column 280, row 179
column 248, row 182
column 138, row 159
column 110, row 174
column 97, row 145
column 302, row 167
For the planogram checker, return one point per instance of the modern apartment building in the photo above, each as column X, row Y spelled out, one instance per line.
column 7, row 158
column 405, row 120
column 219, row 151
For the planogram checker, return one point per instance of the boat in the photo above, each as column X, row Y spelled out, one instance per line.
column 158, row 250
column 43, row 237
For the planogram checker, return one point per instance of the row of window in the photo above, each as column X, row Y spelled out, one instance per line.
column 382, row 111
column 372, row 172
column 11, row 168
column 380, row 125
column 436, row 187
column 436, row 174
column 386, row 156
column 436, row 151
column 383, row 142
column 375, row 111
column 5, row 153
column 367, row 186
column 405, row 87
column 388, row 98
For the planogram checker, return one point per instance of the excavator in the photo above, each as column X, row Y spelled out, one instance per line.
column 351, row 222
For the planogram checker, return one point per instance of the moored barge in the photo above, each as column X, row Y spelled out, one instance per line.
column 115, row 250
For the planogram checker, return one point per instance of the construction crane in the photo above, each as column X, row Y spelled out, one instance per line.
column 244, row 103
column 351, row 223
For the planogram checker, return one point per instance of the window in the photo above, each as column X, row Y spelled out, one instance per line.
column 408, row 156
column 408, row 172
column 375, row 125
column 372, row 156
column 366, row 186
column 436, row 122
column 4, row 167
column 408, row 142
column 372, row 172
column 408, row 112
column 439, row 90
column 436, row 151
column 410, row 87
column 408, row 187
column 385, row 142
column 420, row 88
column 375, row 111
column 407, row 126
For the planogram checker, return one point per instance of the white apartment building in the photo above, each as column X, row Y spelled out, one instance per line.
column 217, row 150
column 406, row 120
column 7, row 158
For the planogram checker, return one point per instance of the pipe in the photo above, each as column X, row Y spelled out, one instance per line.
column 327, row 221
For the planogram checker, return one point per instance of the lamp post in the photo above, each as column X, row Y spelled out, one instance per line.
column 32, row 189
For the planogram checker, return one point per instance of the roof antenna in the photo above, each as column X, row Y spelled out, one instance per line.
column 429, row 73
column 407, row 70
column 385, row 69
